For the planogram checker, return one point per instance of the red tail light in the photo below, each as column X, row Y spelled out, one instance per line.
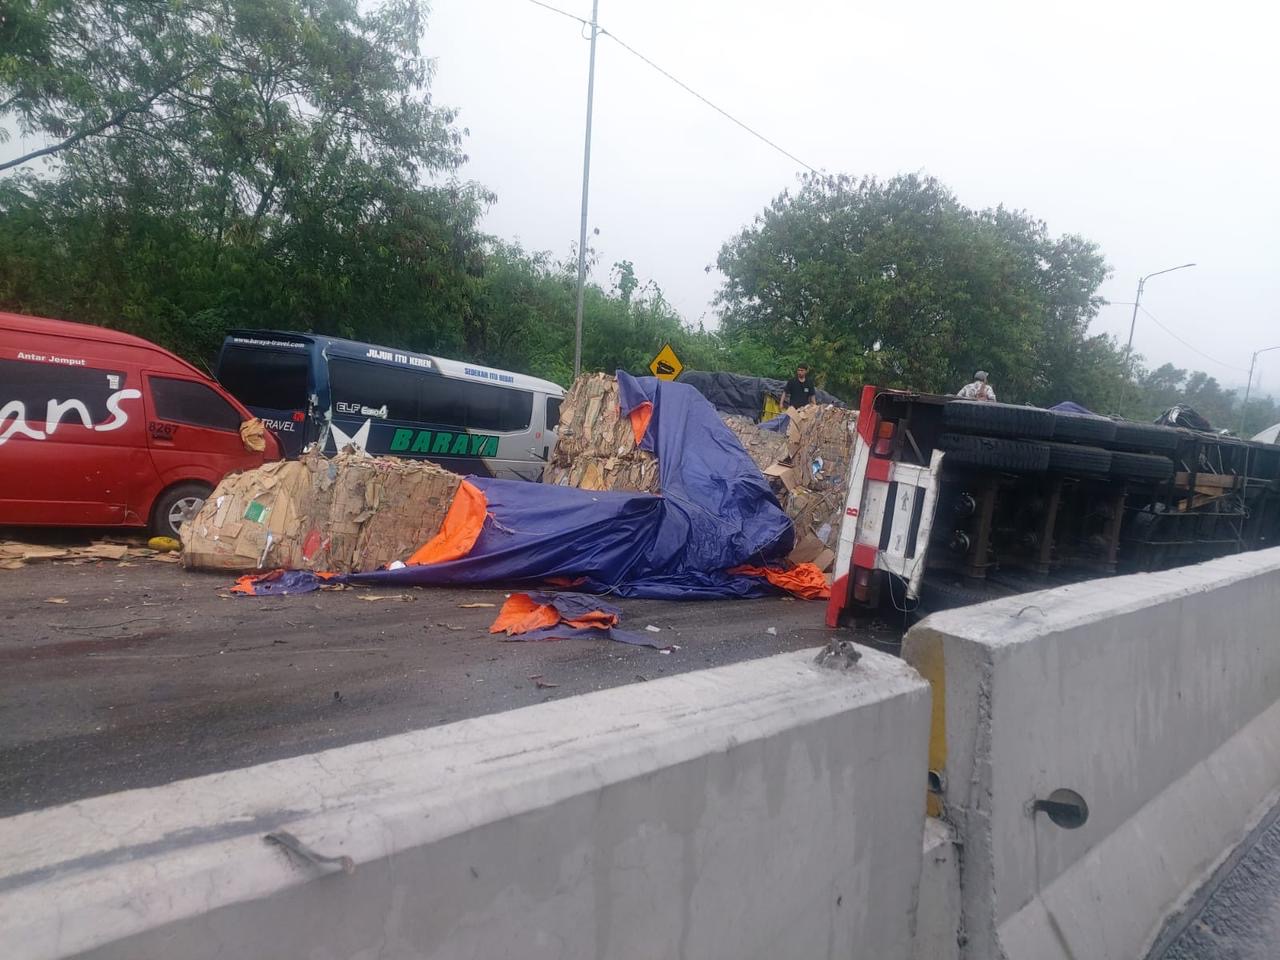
column 884, row 438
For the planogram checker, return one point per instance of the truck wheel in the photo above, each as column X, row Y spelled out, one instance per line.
column 996, row 453
column 1140, row 466
column 175, row 503
column 1145, row 437
column 1074, row 459
column 999, row 419
column 1082, row 428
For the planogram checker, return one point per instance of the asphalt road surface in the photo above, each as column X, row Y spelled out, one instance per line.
column 1238, row 916
column 149, row 673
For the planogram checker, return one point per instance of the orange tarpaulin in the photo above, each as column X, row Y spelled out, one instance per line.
column 640, row 418
column 521, row 614
column 804, row 580
column 461, row 527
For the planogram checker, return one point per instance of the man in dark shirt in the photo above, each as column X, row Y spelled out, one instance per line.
column 799, row 389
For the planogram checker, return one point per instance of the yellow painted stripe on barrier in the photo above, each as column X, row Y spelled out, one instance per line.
column 931, row 663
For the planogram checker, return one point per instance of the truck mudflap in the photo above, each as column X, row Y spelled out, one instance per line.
column 888, row 517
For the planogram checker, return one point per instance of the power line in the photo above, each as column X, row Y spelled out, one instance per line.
column 680, row 83
column 724, row 113
column 1152, row 318
column 563, row 13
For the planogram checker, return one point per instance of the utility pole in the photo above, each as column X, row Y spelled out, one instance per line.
column 586, row 183
column 1137, row 301
column 1244, row 407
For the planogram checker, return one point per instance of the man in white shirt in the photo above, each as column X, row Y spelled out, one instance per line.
column 978, row 390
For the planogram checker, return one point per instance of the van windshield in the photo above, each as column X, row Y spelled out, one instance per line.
column 265, row 378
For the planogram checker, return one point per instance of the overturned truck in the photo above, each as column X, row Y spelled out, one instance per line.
column 951, row 502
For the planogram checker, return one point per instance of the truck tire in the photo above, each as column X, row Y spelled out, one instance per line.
column 998, row 419
column 1075, row 459
column 994, row 453
column 169, row 506
column 1140, row 466
column 1145, row 437
column 1082, row 428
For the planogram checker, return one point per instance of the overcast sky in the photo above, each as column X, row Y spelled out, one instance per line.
column 1150, row 128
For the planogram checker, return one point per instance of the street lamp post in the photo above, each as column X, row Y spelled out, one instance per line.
column 1137, row 302
column 1244, row 407
column 586, row 182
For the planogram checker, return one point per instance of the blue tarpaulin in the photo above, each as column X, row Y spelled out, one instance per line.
column 715, row 512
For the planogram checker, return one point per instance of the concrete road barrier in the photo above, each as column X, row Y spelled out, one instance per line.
column 1154, row 697
column 762, row 810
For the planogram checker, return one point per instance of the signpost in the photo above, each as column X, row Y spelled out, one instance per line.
column 666, row 365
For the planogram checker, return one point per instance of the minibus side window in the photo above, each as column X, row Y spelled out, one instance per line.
column 553, row 412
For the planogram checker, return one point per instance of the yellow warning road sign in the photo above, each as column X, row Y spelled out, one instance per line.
column 666, row 365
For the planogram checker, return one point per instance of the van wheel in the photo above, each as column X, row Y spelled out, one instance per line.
column 175, row 504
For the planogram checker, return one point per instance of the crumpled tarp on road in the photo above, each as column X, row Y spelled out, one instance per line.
column 565, row 616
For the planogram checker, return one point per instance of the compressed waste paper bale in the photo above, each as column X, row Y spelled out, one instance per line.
column 821, row 442
column 765, row 447
column 817, row 513
column 348, row 514
column 595, row 445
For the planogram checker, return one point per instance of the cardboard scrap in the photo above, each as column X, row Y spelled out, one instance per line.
column 595, row 446
column 808, row 470
column 14, row 555
column 349, row 514
column 253, row 434
column 765, row 447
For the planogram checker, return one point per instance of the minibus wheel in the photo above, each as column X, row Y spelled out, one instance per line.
column 178, row 502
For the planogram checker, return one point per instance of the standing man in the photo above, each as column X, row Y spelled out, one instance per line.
column 978, row 390
column 799, row 389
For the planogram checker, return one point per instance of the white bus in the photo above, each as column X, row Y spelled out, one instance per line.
column 468, row 418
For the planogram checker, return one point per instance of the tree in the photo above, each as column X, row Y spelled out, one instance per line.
column 235, row 162
column 899, row 284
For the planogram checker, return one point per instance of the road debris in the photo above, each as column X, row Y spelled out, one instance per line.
column 838, row 655
column 564, row 616
column 293, row 845
column 15, row 554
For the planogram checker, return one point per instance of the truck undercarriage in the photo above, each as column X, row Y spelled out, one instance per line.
column 952, row 502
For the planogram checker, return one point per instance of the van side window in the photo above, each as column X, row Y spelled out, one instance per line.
column 553, row 412
column 34, row 384
column 186, row 401
column 364, row 389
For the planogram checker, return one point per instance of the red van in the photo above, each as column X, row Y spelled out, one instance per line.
column 100, row 428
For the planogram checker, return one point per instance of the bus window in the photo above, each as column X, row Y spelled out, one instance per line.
column 265, row 378
column 475, row 406
column 374, row 390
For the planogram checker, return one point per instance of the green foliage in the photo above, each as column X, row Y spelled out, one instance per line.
column 213, row 164
column 1157, row 390
column 247, row 162
column 897, row 283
